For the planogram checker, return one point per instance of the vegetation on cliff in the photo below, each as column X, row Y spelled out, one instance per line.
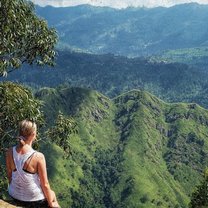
column 134, row 150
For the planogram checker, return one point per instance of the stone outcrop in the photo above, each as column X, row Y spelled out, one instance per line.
column 4, row 204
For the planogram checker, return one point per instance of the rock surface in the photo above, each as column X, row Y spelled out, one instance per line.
column 4, row 204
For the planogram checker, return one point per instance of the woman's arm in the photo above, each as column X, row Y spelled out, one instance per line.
column 42, row 172
column 8, row 164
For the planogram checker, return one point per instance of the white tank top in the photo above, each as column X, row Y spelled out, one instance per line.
column 24, row 186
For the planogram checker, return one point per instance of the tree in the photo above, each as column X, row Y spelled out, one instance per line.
column 24, row 37
column 16, row 103
column 199, row 198
column 61, row 133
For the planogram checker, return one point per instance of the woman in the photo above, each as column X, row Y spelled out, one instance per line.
column 26, row 171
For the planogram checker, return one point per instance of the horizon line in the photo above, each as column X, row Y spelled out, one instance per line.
column 124, row 7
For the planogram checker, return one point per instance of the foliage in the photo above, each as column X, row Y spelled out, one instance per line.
column 199, row 198
column 24, row 36
column 3, row 182
column 16, row 103
column 61, row 133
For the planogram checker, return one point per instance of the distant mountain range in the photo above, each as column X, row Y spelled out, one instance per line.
column 116, row 4
column 131, row 31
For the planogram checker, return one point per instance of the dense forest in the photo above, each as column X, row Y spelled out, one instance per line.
column 112, row 75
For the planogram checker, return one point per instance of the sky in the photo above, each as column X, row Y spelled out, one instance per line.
column 116, row 3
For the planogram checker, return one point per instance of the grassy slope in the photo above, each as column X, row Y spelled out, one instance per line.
column 94, row 114
column 152, row 184
column 132, row 151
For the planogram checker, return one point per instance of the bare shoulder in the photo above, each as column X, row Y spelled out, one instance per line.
column 39, row 156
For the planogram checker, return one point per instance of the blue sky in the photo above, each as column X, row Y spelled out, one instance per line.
column 116, row 3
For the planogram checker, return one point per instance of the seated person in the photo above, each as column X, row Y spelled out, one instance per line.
column 26, row 171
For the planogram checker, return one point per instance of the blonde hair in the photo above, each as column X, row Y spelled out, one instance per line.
column 26, row 128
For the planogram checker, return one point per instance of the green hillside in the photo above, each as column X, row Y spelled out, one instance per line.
column 131, row 151
column 113, row 75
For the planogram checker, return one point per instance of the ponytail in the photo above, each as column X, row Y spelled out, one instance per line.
column 21, row 140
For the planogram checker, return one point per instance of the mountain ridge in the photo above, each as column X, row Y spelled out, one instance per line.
column 138, row 150
column 130, row 32
column 129, row 6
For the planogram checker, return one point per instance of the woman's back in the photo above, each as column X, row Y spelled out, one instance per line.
column 25, row 185
column 26, row 169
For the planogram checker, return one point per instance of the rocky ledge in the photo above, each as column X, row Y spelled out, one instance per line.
column 4, row 204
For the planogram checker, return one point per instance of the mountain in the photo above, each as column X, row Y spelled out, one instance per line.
column 130, row 151
column 112, row 75
column 130, row 31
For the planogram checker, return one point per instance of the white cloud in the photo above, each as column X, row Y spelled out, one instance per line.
column 116, row 3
